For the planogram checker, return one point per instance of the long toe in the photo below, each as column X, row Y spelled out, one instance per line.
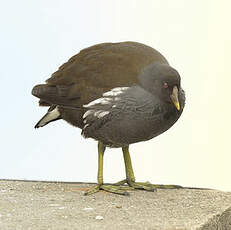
column 146, row 185
column 120, row 190
column 159, row 186
column 143, row 186
column 166, row 186
column 92, row 190
column 115, row 189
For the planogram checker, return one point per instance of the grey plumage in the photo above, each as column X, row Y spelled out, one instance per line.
column 134, row 115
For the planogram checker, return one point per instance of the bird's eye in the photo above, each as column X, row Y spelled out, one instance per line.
column 165, row 85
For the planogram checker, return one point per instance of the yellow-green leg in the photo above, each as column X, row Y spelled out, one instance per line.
column 100, row 186
column 130, row 178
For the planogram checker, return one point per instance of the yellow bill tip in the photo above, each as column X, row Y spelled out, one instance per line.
column 177, row 105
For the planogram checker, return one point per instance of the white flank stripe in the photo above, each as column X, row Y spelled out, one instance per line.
column 99, row 101
column 85, row 126
column 115, row 92
column 101, row 113
column 91, row 111
column 108, row 98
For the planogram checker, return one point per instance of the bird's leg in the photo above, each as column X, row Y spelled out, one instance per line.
column 130, row 178
column 100, row 186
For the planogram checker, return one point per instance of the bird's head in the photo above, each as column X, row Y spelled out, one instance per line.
column 162, row 81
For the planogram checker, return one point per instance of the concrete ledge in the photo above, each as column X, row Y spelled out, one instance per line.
column 55, row 205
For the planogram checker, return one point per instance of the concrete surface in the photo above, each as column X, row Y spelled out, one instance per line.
column 31, row 205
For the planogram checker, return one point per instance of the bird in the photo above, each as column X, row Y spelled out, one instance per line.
column 118, row 94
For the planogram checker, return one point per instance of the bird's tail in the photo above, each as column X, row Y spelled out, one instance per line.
column 44, row 91
column 50, row 94
column 55, row 95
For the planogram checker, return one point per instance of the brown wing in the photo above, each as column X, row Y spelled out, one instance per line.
column 102, row 67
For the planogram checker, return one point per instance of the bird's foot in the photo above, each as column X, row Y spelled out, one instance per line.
column 146, row 185
column 137, row 185
column 121, row 187
column 117, row 189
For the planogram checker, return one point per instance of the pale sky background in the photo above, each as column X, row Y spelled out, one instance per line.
column 195, row 36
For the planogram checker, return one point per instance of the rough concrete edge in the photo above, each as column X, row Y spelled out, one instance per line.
column 46, row 181
column 220, row 221
column 89, row 183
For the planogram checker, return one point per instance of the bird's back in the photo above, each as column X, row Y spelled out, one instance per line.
column 111, row 64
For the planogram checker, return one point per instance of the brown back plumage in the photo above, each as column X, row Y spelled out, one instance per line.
column 101, row 67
